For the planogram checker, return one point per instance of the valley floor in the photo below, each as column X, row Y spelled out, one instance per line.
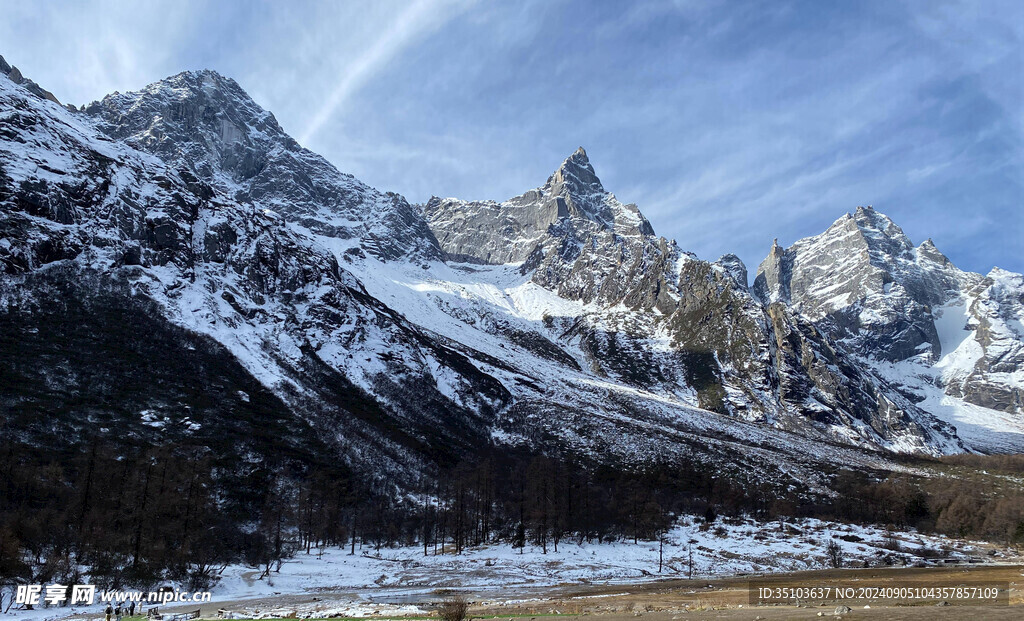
column 618, row 579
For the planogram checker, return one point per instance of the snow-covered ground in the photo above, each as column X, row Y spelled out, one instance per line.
column 402, row 581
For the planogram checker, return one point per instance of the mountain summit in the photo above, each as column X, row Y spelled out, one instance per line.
column 205, row 123
column 579, row 189
column 863, row 282
column 509, row 232
column 862, row 254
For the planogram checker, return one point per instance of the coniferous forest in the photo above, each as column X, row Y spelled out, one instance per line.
column 139, row 516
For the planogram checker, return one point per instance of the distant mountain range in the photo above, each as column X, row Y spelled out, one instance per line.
column 174, row 265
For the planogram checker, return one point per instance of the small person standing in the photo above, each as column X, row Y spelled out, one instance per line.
column 131, row 609
column 109, row 612
column 117, row 611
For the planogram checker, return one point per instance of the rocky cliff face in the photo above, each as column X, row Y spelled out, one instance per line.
column 865, row 284
column 864, row 274
column 995, row 322
column 14, row 75
column 515, row 230
column 100, row 229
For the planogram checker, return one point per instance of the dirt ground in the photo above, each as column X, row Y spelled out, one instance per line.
column 724, row 598
column 728, row 598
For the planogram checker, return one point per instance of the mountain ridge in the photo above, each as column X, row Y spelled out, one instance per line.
column 425, row 331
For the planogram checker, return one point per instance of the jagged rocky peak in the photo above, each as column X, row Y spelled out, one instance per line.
column 927, row 251
column 735, row 268
column 864, row 283
column 576, row 188
column 206, row 123
column 250, row 301
column 866, row 277
column 577, row 175
column 633, row 313
column 883, row 238
column 188, row 106
column 861, row 255
column 510, row 231
column 772, row 281
column 578, row 193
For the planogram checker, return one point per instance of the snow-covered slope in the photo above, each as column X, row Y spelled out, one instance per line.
column 662, row 320
column 90, row 223
column 138, row 258
column 402, row 581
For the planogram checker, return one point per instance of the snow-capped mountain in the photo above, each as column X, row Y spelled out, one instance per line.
column 181, row 222
column 661, row 319
column 913, row 315
column 101, row 234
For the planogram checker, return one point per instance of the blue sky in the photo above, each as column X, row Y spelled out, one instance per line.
column 728, row 123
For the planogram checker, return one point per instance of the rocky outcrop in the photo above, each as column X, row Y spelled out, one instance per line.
column 407, row 336
column 97, row 227
column 865, row 276
column 724, row 346
column 14, row 75
column 143, row 301
column 991, row 371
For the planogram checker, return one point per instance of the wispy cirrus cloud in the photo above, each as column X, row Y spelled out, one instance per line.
column 418, row 19
column 728, row 123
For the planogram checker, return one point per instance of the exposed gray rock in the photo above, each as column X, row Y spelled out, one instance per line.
column 140, row 246
column 995, row 323
column 738, row 357
column 735, row 268
column 868, row 279
column 201, row 261
column 232, row 230
column 14, row 74
column 509, row 232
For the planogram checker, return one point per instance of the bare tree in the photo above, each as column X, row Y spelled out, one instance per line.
column 834, row 552
column 453, row 608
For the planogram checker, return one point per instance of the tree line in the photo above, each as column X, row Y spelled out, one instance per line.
column 976, row 496
column 135, row 516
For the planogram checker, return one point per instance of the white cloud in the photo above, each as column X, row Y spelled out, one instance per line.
column 418, row 19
